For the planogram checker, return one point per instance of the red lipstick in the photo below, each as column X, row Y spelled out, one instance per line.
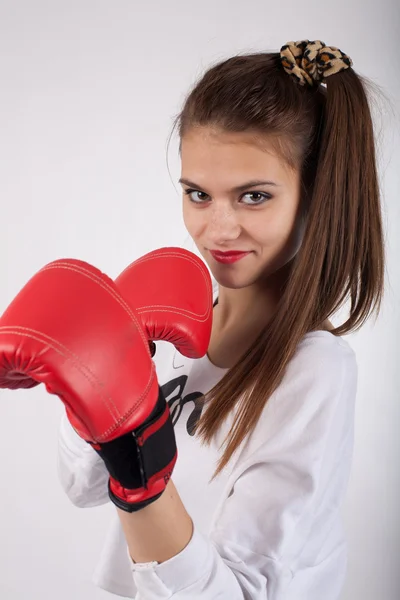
column 228, row 257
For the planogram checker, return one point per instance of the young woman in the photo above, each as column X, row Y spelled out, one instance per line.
column 278, row 166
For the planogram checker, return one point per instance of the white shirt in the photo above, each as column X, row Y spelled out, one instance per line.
column 269, row 526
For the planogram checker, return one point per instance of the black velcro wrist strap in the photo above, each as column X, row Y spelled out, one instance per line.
column 134, row 458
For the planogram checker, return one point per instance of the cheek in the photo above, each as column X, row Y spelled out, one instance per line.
column 269, row 228
column 277, row 228
column 186, row 219
column 192, row 219
column 185, row 214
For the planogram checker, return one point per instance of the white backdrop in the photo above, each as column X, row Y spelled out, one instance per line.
column 88, row 91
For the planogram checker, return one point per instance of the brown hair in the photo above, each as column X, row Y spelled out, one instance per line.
column 327, row 132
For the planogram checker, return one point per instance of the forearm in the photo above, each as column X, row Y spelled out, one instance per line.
column 160, row 530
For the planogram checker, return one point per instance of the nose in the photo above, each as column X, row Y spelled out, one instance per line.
column 224, row 224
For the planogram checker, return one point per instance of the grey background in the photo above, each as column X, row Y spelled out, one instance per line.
column 89, row 89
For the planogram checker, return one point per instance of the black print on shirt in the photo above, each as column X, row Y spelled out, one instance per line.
column 178, row 401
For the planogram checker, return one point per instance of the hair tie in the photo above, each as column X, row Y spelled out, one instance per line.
column 309, row 62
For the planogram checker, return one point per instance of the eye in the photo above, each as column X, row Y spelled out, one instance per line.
column 190, row 193
column 262, row 197
column 198, row 197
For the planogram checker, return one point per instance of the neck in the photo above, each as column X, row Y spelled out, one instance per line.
column 251, row 306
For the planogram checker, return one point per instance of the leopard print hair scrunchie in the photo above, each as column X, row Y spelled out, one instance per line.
column 309, row 62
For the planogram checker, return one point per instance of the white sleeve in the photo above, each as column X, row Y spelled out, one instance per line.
column 286, row 490
column 81, row 471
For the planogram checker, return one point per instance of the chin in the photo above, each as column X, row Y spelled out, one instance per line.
column 234, row 281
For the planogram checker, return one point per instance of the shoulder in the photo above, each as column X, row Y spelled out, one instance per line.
column 321, row 375
column 312, row 408
column 322, row 354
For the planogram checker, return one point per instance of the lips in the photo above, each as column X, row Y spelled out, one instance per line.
column 228, row 254
column 228, row 257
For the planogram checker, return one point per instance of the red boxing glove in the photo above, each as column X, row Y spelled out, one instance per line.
column 71, row 329
column 171, row 292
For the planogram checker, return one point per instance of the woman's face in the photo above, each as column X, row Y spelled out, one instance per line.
column 224, row 209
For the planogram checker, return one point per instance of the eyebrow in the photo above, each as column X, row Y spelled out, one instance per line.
column 238, row 188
